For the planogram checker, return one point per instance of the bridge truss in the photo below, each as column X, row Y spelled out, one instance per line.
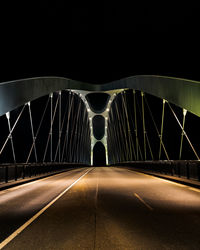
column 48, row 121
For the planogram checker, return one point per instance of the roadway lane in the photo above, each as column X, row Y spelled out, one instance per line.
column 20, row 203
column 114, row 208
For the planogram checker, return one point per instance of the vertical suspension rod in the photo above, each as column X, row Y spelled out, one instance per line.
column 50, row 131
column 60, row 114
column 74, row 144
column 81, row 134
column 124, row 124
column 149, row 145
column 182, row 133
column 10, row 133
column 111, row 145
column 117, row 145
column 125, row 144
column 129, row 129
column 38, row 129
column 136, row 131
column 161, row 130
column 60, row 135
column 147, row 142
column 154, row 123
column 32, row 130
column 11, row 139
column 51, row 127
column 144, row 128
column 70, row 103
column 71, row 134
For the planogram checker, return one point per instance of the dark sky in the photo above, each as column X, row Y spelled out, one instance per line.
column 98, row 42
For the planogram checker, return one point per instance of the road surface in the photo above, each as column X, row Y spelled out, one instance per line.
column 100, row 208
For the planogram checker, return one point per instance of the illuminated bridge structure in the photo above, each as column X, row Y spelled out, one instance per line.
column 49, row 122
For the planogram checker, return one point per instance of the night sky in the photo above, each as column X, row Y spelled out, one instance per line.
column 98, row 42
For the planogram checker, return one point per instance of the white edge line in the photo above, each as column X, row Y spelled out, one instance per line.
column 169, row 181
column 195, row 189
column 26, row 224
column 160, row 178
column 139, row 198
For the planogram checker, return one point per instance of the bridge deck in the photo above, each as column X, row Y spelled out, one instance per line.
column 109, row 208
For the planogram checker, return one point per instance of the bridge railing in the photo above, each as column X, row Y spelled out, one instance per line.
column 189, row 169
column 19, row 171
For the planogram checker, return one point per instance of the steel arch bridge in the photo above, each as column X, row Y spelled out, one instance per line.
column 59, row 123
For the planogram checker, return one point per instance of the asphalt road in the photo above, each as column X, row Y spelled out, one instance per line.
column 107, row 208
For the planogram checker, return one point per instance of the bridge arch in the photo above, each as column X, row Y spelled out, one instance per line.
column 184, row 93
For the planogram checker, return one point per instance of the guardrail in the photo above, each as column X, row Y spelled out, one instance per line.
column 189, row 169
column 10, row 172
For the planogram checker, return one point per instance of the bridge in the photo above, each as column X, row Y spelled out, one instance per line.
column 112, row 166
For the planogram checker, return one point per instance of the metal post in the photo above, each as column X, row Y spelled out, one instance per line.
column 6, row 174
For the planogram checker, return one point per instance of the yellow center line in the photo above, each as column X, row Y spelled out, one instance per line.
column 147, row 205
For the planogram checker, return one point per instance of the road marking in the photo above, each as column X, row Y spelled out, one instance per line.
column 139, row 198
column 175, row 183
column 134, row 172
column 168, row 181
column 160, row 178
column 195, row 189
column 26, row 224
